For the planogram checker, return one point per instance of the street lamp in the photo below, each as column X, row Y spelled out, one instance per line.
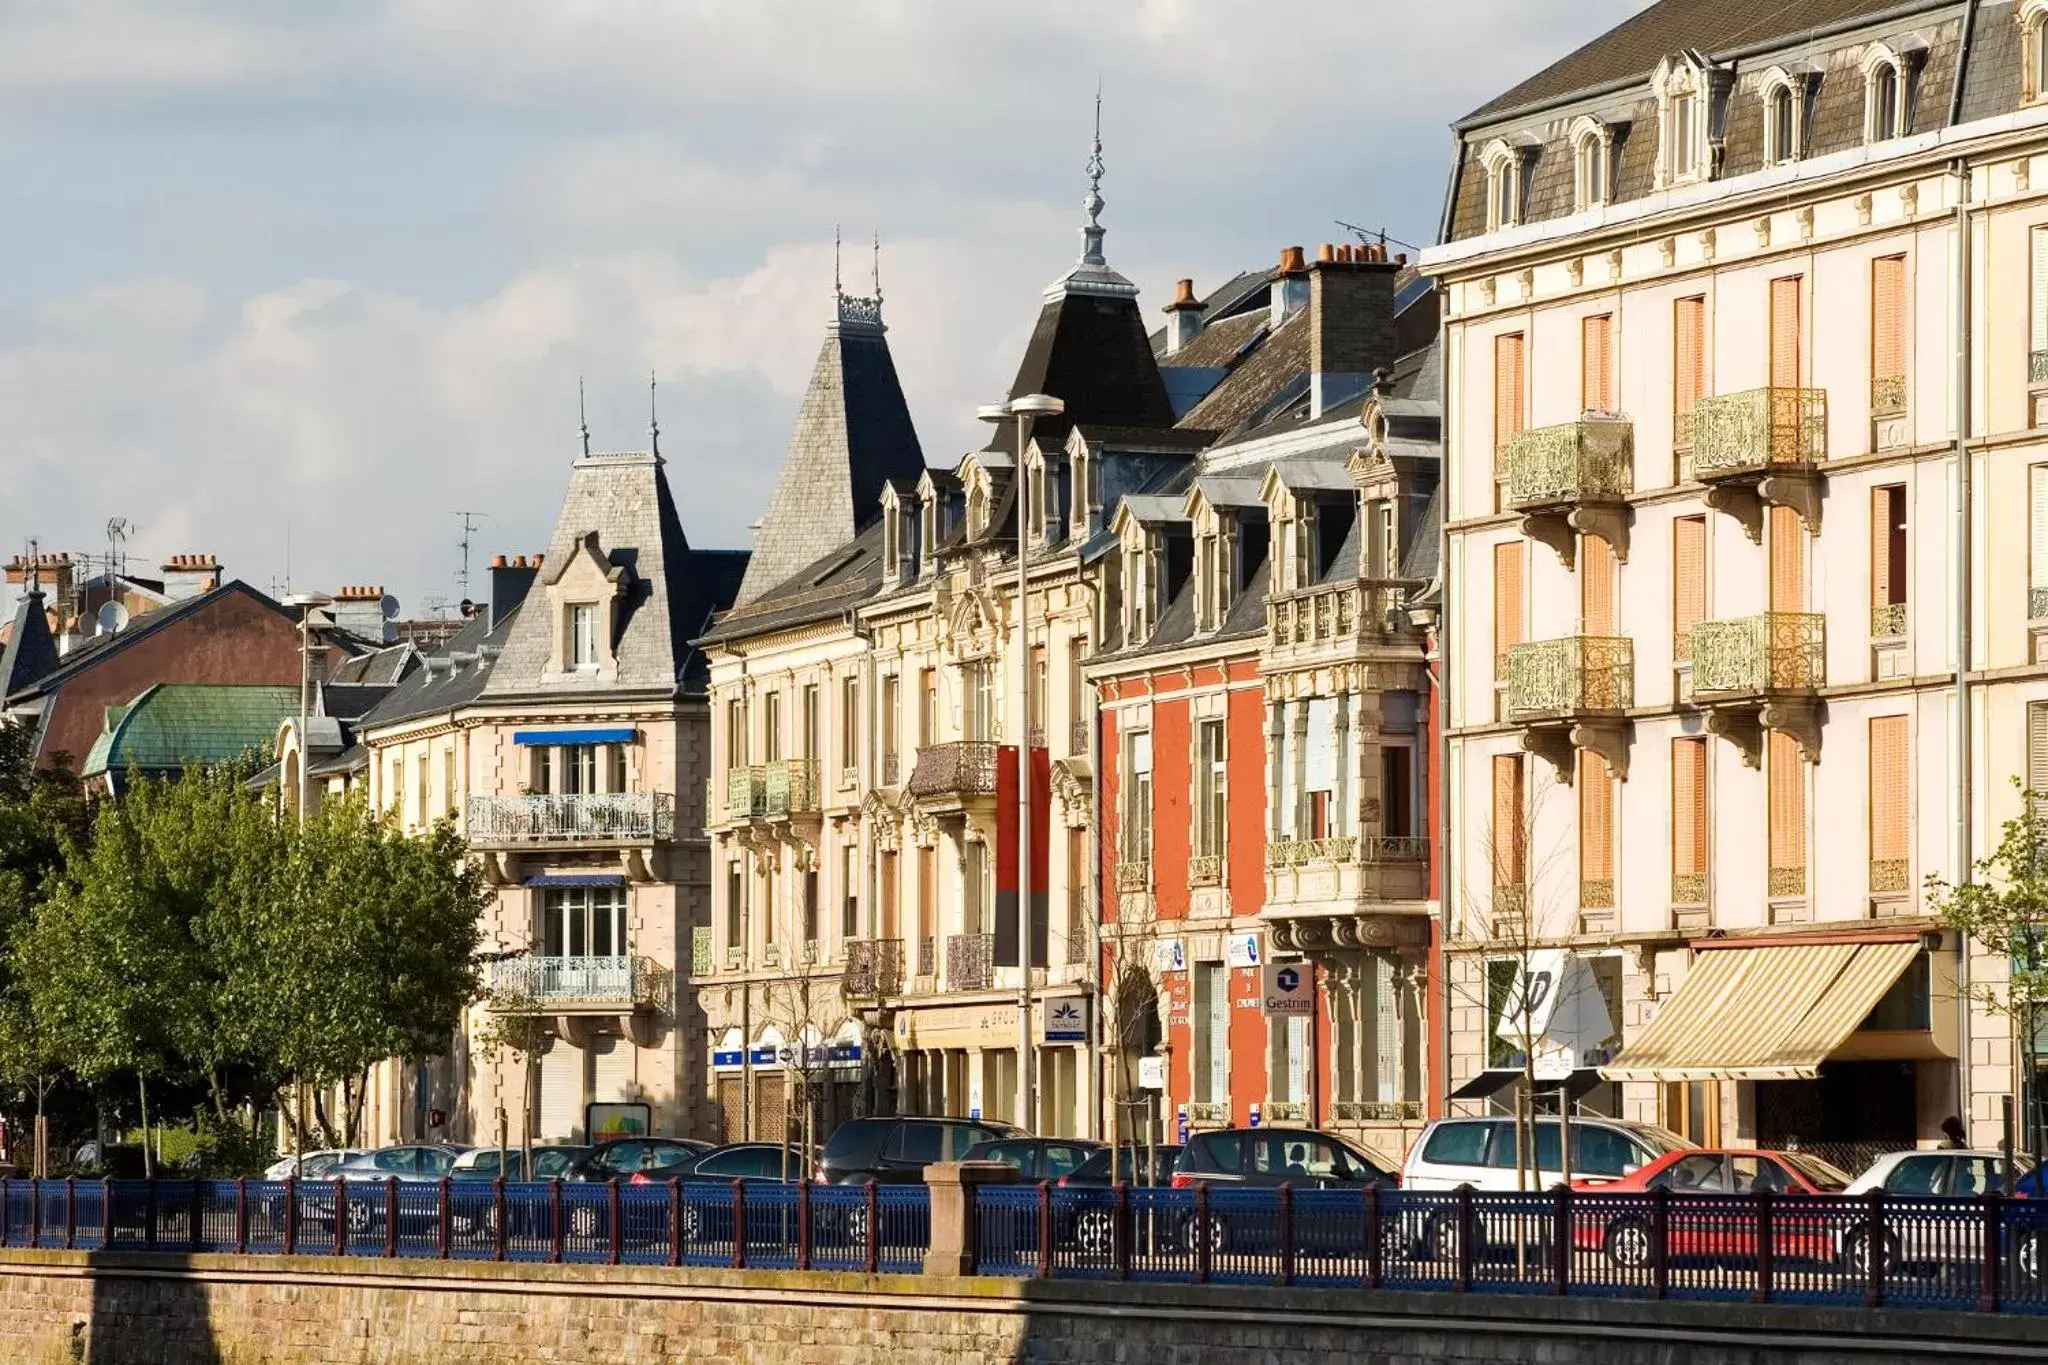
column 1024, row 409
column 307, row 603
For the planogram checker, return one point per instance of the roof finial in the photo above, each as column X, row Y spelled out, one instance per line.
column 838, row 291
column 1091, row 235
column 653, row 425
column 878, row 266
column 582, row 420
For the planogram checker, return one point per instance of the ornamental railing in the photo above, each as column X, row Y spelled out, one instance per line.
column 703, row 953
column 1889, row 876
column 928, row 956
column 970, row 962
column 1132, row 876
column 746, row 792
column 1771, row 651
column 1570, row 675
column 874, row 967
column 1205, row 870
column 1757, row 429
column 1303, row 852
column 1393, row 848
column 1077, row 739
column 1688, row 888
column 1284, row 1111
column 1590, row 460
column 1377, row 1111
column 1887, row 395
column 1888, row 621
column 2037, row 604
column 790, row 787
column 1209, row 1111
column 1336, row 611
column 586, row 817
column 542, row 982
column 962, row 768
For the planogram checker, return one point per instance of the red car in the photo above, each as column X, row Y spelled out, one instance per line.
column 1711, row 1233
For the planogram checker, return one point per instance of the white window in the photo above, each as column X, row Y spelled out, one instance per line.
column 1888, row 91
column 583, row 635
column 1137, row 814
column 1690, row 105
column 1884, row 103
column 1684, row 136
column 1784, row 93
column 2033, row 17
column 1212, row 820
column 2037, row 359
column 1503, row 166
column 1592, row 163
column 1212, row 1033
column 584, row 921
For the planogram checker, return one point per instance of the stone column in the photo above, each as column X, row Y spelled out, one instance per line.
column 1368, row 808
column 1297, row 730
column 952, row 1185
column 1345, row 814
column 1276, row 780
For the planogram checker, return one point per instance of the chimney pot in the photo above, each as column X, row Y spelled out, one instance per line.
column 1184, row 294
column 536, row 561
column 1400, row 258
column 1291, row 262
column 1326, row 252
column 497, row 561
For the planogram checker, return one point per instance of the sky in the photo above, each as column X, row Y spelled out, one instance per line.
column 295, row 285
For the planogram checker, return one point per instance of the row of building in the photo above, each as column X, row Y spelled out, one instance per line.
column 1575, row 649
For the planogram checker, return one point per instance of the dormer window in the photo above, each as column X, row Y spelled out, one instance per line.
column 1685, row 146
column 2033, row 20
column 1781, row 126
column 1138, row 600
column 1504, row 178
column 581, row 588
column 1888, row 89
column 583, row 635
column 1690, row 98
column 1592, row 164
column 1884, row 103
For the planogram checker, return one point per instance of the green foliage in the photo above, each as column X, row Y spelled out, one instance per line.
column 2005, row 910
column 42, row 814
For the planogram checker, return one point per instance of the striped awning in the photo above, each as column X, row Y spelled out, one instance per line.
column 1767, row 1013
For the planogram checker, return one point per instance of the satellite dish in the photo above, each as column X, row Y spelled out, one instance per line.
column 112, row 618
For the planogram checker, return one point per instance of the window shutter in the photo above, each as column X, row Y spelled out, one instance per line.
column 2040, row 290
column 1787, row 778
column 1596, row 821
column 1688, row 807
column 1507, row 602
column 1596, row 360
column 1788, row 561
column 1596, row 586
column 1508, row 841
column 1880, row 546
column 2037, row 748
column 1689, row 369
column 1688, row 582
column 1507, row 395
column 1785, row 333
column 1888, row 799
column 2037, row 527
column 1888, row 318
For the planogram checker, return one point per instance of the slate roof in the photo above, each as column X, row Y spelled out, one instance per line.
column 447, row 680
column 1089, row 350
column 853, row 433
column 31, row 652
column 843, row 577
column 383, row 667
column 173, row 724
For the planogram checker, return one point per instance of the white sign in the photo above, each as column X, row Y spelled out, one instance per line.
column 1557, row 1003
column 1287, row 989
column 1169, row 955
column 1152, row 1073
column 1062, row 1021
column 1244, row 950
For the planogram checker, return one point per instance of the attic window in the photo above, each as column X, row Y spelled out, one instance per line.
column 1888, row 91
column 1592, row 164
column 1503, row 185
column 2033, row 20
column 1781, row 125
column 1690, row 103
column 583, row 644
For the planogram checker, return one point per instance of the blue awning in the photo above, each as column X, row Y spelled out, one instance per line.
column 577, row 879
column 610, row 734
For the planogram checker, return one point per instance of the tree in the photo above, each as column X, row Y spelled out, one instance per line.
column 2005, row 909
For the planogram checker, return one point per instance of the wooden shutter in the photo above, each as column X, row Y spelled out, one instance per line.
column 1688, row 582
column 1785, row 333
column 1596, row 823
column 2040, row 291
column 1596, row 586
column 1788, row 560
column 1888, row 788
column 1689, row 356
column 1787, row 777
column 1507, row 395
column 1509, row 841
column 1880, row 546
column 1507, row 601
column 1888, row 318
column 1688, row 807
column 2037, row 748
column 2037, row 527
column 1596, row 360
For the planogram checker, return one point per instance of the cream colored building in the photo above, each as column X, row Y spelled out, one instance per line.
column 1715, row 575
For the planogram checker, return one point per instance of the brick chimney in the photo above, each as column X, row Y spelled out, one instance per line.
column 509, row 584
column 366, row 611
column 1183, row 317
column 187, row 576
column 52, row 573
column 1351, row 316
column 1290, row 287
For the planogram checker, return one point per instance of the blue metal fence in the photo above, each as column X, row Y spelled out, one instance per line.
column 1983, row 1254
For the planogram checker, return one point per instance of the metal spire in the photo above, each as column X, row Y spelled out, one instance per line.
column 1091, row 235
column 838, row 292
column 582, row 420
column 653, row 425
column 878, row 265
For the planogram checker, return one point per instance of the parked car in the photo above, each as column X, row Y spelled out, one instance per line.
column 1267, row 1158
column 639, row 1159
column 364, row 1204
column 1092, row 1225
column 748, row 1162
column 1930, row 1236
column 895, row 1151
column 1036, row 1159
column 1723, row 1234
column 1480, row 1152
column 310, row 1165
column 468, row 1214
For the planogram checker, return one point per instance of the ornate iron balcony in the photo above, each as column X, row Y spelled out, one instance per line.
column 590, row 817
column 1590, row 460
column 534, row 984
column 970, row 962
column 928, row 956
column 746, row 792
column 963, row 768
column 1688, row 888
column 874, row 968
column 703, row 953
column 1889, row 876
column 1575, row 674
column 1133, row 876
column 1758, row 429
column 1777, row 650
column 1887, row 395
column 1888, row 622
column 1206, row 870
column 790, row 787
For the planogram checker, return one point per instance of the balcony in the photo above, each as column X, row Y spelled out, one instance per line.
column 746, row 792
column 1762, row 447
column 928, row 957
column 578, row 985
column 1574, row 477
column 950, row 775
column 1346, row 891
column 789, row 787
column 1571, row 694
column 874, row 968
column 970, row 962
column 1757, row 673
column 1205, row 870
column 1331, row 615
column 589, row 819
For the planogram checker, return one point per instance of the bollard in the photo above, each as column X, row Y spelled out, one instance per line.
column 1375, row 1249
column 1766, row 1249
column 241, row 1216
column 874, row 1229
column 1286, row 1215
column 611, row 1210
column 803, row 1226
column 1873, row 1250
column 739, row 1225
column 1993, row 1257
column 390, row 1216
column 1045, row 1229
column 443, row 1216
column 1462, row 1280
column 556, row 1227
column 1561, row 1241
column 1204, row 1243
column 675, row 1221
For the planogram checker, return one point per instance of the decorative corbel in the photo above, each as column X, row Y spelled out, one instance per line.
column 1799, row 491
column 1553, row 744
column 1799, row 717
column 1667, row 250
column 1608, row 521
column 1739, row 502
column 1739, row 727
column 1575, row 269
column 1607, row 738
column 1556, row 534
column 1863, row 206
column 1806, row 223
column 1762, row 227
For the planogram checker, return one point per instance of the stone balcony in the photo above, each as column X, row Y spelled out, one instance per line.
column 1347, row 891
column 1762, row 672
column 1335, row 616
column 1573, row 693
column 1574, row 477
column 1762, row 447
column 873, row 970
column 579, row 985
column 582, row 820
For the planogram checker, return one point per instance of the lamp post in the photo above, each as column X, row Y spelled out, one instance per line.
column 307, row 603
column 1024, row 410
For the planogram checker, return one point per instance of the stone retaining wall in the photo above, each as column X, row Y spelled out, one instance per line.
column 219, row 1310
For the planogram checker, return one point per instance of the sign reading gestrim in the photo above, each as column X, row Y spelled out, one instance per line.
column 1287, row 989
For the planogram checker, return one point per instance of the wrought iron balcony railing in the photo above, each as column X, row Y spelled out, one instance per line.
column 1777, row 650
column 1887, row 395
column 1303, row 852
column 1590, row 460
column 1889, row 876
column 874, row 968
column 1758, row 429
column 527, row 984
column 1394, row 848
column 1575, row 674
column 789, row 787
column 970, row 962
column 590, row 817
column 1888, row 621
column 963, row 768
column 1688, row 888
column 703, row 953
column 928, row 956
column 1133, row 876
column 746, row 792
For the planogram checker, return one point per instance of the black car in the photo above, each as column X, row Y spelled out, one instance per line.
column 1134, row 1166
column 707, row 1213
column 1036, row 1159
column 1089, row 1221
column 640, row 1160
column 1233, row 1159
column 895, row 1151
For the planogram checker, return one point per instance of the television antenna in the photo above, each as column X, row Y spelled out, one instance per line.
column 472, row 522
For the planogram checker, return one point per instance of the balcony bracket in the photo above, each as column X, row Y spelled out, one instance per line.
column 633, row 862
column 499, row 868
column 1740, row 502
column 1738, row 725
column 1799, row 717
column 1554, row 529
column 1607, row 738
column 1800, row 490
column 1609, row 521
column 1553, row 744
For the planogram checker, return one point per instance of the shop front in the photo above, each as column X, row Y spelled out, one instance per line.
column 961, row 1060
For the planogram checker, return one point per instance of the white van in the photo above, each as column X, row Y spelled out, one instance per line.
column 1480, row 1152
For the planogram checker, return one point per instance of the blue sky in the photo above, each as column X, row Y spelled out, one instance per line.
column 327, row 272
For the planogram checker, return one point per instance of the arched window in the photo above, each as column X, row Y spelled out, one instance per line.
column 1503, row 185
column 1782, row 125
column 2033, row 21
column 1592, row 162
column 1884, row 101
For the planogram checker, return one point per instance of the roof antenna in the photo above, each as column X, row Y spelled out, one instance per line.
column 582, row 421
column 878, row 267
column 837, row 291
column 1091, row 235
column 653, row 426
